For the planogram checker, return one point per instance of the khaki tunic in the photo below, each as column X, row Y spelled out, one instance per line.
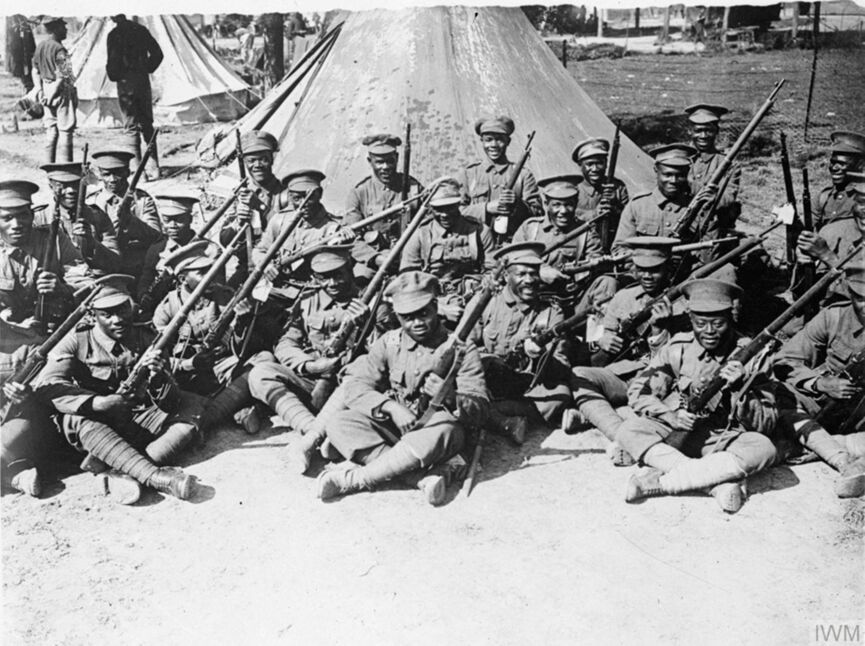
column 483, row 181
column 371, row 196
column 649, row 214
column 832, row 205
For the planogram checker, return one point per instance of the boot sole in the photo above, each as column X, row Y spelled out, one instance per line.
column 28, row 482
column 850, row 486
column 121, row 488
column 186, row 488
column 434, row 489
column 729, row 497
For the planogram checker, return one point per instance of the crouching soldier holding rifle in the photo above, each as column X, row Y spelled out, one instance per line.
column 379, row 434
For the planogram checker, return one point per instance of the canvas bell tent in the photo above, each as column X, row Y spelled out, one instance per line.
column 192, row 85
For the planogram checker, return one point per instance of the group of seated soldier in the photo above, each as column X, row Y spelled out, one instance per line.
column 342, row 338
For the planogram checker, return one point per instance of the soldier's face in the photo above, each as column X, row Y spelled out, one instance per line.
column 175, row 226
column 295, row 199
column 114, row 179
column 193, row 277
column 116, row 321
column 15, row 225
column 703, row 135
column 384, row 166
column 446, row 216
column 495, row 145
column 523, row 281
column 672, row 180
column 562, row 213
column 840, row 164
column 711, row 330
column 593, row 169
column 652, row 279
column 336, row 283
column 66, row 193
column 421, row 324
column 259, row 165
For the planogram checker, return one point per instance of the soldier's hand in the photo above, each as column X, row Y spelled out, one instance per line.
column 611, row 342
column 507, row 200
column 243, row 208
column 271, row 272
column 683, row 420
column 432, row 384
column 550, row 274
column 321, row 367
column 344, row 236
column 836, row 387
column 732, row 372
column 15, row 392
column 706, row 194
column 112, row 405
column 153, row 361
column 81, row 229
column 604, row 209
column 47, row 282
column 401, row 416
column 661, row 311
column 357, row 309
column 451, row 310
column 608, row 192
column 813, row 245
column 532, row 349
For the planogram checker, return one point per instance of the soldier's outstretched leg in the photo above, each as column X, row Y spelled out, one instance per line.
column 597, row 391
column 278, row 387
column 303, row 448
column 833, row 450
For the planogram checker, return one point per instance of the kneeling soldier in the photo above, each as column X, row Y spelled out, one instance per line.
column 687, row 451
column 382, row 393
column 80, row 380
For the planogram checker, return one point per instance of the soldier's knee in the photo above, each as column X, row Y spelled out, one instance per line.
column 754, row 452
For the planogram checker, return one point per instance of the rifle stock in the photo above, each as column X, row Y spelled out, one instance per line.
column 570, row 235
column 790, row 193
column 406, row 175
column 610, row 177
column 220, row 211
column 49, row 254
column 701, row 398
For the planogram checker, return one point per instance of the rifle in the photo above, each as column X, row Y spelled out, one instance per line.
column 502, row 220
column 701, row 397
column 586, row 265
column 609, row 178
column 570, row 235
column 241, row 169
column 406, row 177
column 791, row 231
column 36, row 361
column 167, row 337
column 836, row 414
column 805, row 272
column 697, row 210
column 219, row 328
column 49, row 253
column 129, row 196
column 79, row 204
column 705, row 244
column 220, row 211
column 338, row 343
column 471, row 477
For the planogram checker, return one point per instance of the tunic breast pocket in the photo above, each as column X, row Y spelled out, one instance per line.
column 684, row 383
column 102, row 372
column 7, row 284
column 839, row 355
column 480, row 194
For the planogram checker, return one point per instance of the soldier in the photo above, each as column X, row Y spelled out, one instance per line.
column 561, row 198
column 132, row 56
column 175, row 212
column 286, row 385
column 259, row 199
column 598, row 194
column 815, row 364
column 846, row 156
column 449, row 246
column 80, row 380
column 213, row 373
column 23, row 279
column 91, row 231
column 381, row 190
column 382, row 394
column 598, row 391
column 704, row 127
column 508, row 351
column 53, row 75
column 138, row 227
column 484, row 194
column 686, row 451
column 657, row 213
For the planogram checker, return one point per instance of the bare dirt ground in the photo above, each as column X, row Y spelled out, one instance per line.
column 545, row 551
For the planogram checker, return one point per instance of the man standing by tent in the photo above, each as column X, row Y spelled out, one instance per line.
column 133, row 55
column 52, row 75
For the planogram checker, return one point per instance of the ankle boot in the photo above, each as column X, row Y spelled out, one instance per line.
column 336, row 482
column 303, row 449
column 851, row 479
column 729, row 496
column 644, row 485
column 28, row 481
column 174, row 482
column 511, row 428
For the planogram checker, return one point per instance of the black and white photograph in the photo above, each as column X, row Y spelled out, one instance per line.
column 398, row 323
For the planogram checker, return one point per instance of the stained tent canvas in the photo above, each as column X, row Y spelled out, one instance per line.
column 439, row 68
column 192, row 85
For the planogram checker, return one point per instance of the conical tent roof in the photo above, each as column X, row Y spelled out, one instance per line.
column 440, row 68
column 192, row 85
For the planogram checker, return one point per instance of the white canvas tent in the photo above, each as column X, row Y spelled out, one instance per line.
column 192, row 85
column 439, row 68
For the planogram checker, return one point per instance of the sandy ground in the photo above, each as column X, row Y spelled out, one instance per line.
column 545, row 551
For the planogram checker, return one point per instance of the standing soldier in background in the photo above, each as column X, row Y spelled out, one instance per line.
column 835, row 202
column 20, row 48
column 485, row 195
column 598, row 194
column 381, row 190
column 705, row 120
column 133, row 55
column 52, row 74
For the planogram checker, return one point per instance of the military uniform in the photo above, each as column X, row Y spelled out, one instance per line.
column 262, row 205
column 370, row 196
column 649, row 214
column 154, row 263
column 833, row 204
column 589, row 197
column 703, row 166
column 53, row 74
column 101, row 253
column 449, row 254
column 842, row 236
column 584, row 247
